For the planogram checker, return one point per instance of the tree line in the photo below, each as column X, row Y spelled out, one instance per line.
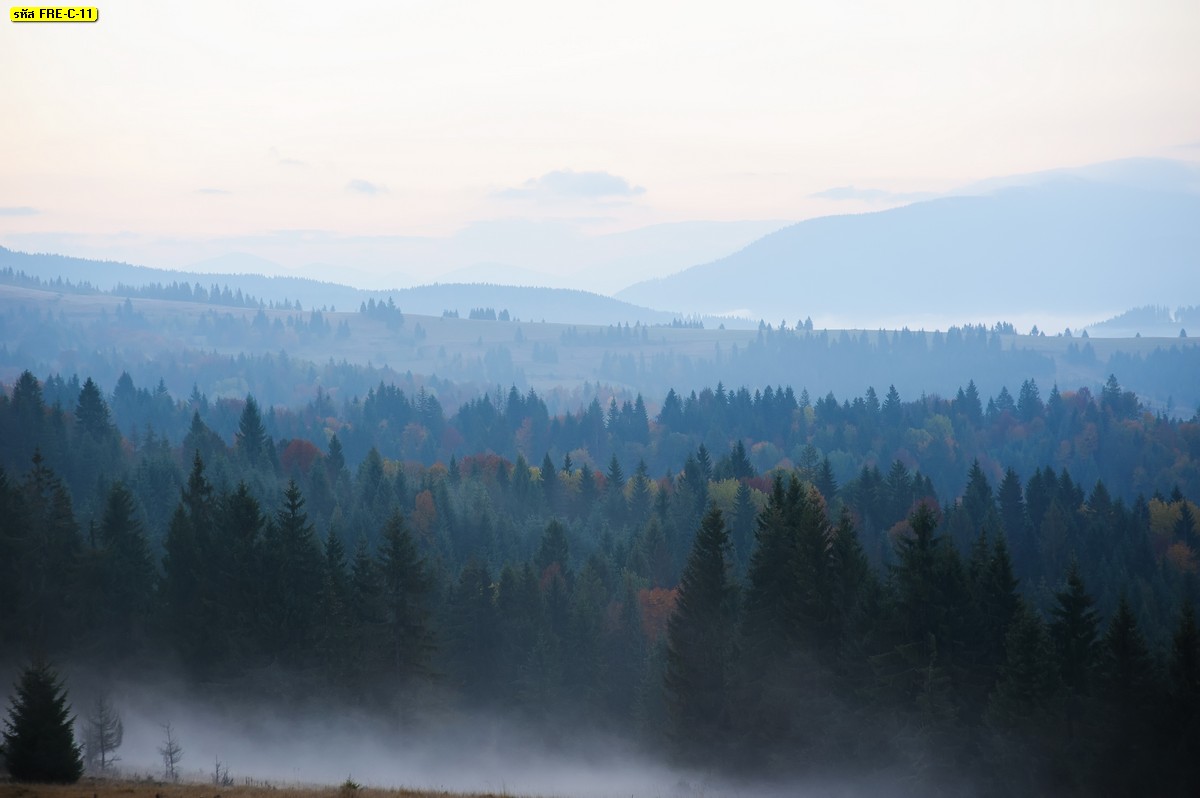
column 1036, row 633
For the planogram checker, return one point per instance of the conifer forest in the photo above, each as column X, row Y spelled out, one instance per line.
column 994, row 593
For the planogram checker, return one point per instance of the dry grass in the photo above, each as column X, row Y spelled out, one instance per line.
column 108, row 788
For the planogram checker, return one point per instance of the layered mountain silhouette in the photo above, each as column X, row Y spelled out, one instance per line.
column 1063, row 244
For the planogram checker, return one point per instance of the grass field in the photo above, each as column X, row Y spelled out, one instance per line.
column 106, row 788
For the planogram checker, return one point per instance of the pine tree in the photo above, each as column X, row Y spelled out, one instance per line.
column 640, row 500
column 825, row 481
column 405, row 591
column 91, row 412
column 1182, row 731
column 700, row 637
column 1075, row 634
column 552, row 549
column 49, row 546
column 472, row 629
column 39, row 743
column 127, row 577
column 1125, row 690
column 743, row 526
column 1023, row 705
column 294, row 575
column 251, row 434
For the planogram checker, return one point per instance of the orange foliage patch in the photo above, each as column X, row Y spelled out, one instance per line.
column 299, row 455
column 424, row 515
column 1182, row 558
column 657, row 606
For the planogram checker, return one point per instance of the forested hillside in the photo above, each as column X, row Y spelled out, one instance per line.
column 977, row 593
column 229, row 344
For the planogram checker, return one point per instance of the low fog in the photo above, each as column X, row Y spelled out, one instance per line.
column 258, row 743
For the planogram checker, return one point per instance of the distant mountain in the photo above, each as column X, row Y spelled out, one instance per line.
column 550, row 304
column 1063, row 245
column 235, row 263
column 611, row 262
column 503, row 274
column 503, row 251
column 526, row 303
column 1150, row 321
column 107, row 275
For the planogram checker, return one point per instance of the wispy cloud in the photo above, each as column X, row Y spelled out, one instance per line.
column 569, row 184
column 292, row 162
column 842, row 193
column 212, row 191
column 20, row 210
column 365, row 187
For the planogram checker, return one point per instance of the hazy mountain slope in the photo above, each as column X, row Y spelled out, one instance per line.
column 530, row 304
column 106, row 275
column 1019, row 250
column 550, row 304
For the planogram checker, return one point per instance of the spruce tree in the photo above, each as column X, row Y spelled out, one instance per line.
column 91, row 412
column 406, row 587
column 127, row 579
column 39, row 743
column 1182, row 730
column 1125, row 686
column 1074, row 631
column 251, row 434
column 700, row 644
column 552, row 548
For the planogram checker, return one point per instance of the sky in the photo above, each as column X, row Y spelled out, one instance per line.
column 166, row 133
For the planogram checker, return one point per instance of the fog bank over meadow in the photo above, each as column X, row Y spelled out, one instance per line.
column 458, row 752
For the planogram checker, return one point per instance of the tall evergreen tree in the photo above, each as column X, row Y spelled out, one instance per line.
column 700, row 644
column 1125, row 690
column 553, row 548
column 293, row 565
column 406, row 588
column 127, row 575
column 251, row 434
column 39, row 741
column 1182, row 730
column 91, row 412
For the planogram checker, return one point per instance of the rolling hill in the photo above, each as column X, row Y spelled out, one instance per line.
column 1017, row 250
column 548, row 304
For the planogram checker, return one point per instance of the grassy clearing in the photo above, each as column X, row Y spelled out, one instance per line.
column 110, row 788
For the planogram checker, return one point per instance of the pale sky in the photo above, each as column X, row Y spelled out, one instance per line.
column 171, row 122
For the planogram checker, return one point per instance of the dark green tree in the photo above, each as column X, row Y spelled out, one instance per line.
column 251, row 434
column 91, row 412
column 1182, row 730
column 1023, row 707
column 552, row 548
column 406, row 588
column 1125, row 689
column 1074, row 630
column 126, row 575
column 293, row 574
column 39, row 741
column 700, row 648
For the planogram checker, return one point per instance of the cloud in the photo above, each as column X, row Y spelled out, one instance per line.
column 840, row 193
column 20, row 210
column 292, row 162
column 366, row 187
column 212, row 191
column 569, row 184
